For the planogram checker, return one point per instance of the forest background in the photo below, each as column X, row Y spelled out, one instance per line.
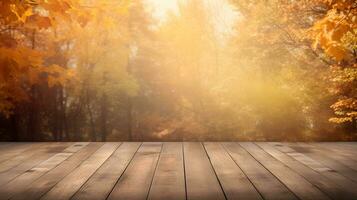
column 83, row 70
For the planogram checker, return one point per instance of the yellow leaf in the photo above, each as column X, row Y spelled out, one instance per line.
column 26, row 14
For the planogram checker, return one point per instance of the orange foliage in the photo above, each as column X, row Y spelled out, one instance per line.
column 23, row 59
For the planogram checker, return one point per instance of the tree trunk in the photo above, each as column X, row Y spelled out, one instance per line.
column 104, row 113
column 63, row 117
column 129, row 117
column 14, row 127
column 33, row 123
column 76, row 122
column 33, row 120
column 91, row 120
column 55, row 116
column 92, row 125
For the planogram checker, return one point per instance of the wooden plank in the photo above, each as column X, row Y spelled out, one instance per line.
column 301, row 157
column 266, row 183
column 331, row 174
column 50, row 179
column 324, row 184
column 234, row 182
column 20, row 156
column 350, row 145
column 350, row 148
column 169, row 178
column 66, row 188
column 6, row 146
column 12, row 149
column 337, row 148
column 201, row 180
column 297, row 184
column 335, row 154
column 101, row 183
column 136, row 180
column 48, row 151
column 20, row 182
column 326, row 160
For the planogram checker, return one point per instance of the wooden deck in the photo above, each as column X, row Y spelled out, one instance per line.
column 190, row 170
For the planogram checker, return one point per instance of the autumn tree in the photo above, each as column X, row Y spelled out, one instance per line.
column 26, row 65
column 335, row 34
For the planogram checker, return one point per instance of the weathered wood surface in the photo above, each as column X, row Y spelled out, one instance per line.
column 188, row 170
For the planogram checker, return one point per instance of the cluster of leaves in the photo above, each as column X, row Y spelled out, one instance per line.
column 336, row 34
column 330, row 32
column 24, row 62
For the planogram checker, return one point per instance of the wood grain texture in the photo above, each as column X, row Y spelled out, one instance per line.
column 335, row 155
column 9, row 150
column 169, row 178
column 234, row 182
column 303, row 157
column 327, row 160
column 66, row 188
column 266, row 183
column 37, row 156
column 101, row 183
column 20, row 182
column 42, row 185
column 201, row 179
column 178, row 170
column 326, row 185
column 136, row 180
column 337, row 148
column 17, row 156
column 296, row 183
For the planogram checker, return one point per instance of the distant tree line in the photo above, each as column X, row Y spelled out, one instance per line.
column 108, row 70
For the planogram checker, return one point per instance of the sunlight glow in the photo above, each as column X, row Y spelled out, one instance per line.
column 160, row 8
column 223, row 14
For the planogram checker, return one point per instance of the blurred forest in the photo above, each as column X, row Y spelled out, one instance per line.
column 109, row 70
